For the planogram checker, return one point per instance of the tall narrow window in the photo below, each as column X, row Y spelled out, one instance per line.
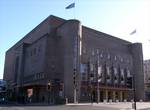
column 83, row 70
column 16, row 68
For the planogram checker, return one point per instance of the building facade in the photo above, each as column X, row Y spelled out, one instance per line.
column 147, row 79
column 62, row 59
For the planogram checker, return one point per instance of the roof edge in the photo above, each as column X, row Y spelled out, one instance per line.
column 48, row 18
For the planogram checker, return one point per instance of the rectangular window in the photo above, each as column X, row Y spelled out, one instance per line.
column 83, row 70
column 99, row 70
column 91, row 67
column 122, row 77
column 108, row 75
column 128, row 73
column 115, row 58
column 115, row 75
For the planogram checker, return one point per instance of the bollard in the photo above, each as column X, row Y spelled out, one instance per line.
column 133, row 106
column 125, row 100
column 110, row 100
column 104, row 101
column 141, row 100
column 66, row 100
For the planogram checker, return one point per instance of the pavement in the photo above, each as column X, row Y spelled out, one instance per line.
column 79, row 106
column 120, row 105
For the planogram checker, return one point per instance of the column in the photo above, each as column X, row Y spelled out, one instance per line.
column 121, row 96
column 114, row 96
column 106, row 95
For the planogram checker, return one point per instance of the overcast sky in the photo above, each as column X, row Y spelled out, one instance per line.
column 115, row 17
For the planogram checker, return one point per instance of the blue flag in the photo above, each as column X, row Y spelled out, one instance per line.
column 72, row 5
column 133, row 32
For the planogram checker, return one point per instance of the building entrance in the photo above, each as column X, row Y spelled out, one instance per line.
column 101, row 96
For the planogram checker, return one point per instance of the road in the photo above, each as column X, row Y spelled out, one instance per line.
column 65, row 107
column 85, row 106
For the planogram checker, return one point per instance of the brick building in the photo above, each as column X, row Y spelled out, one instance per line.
column 63, row 59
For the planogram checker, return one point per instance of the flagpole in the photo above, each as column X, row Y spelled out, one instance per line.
column 74, row 14
column 134, row 33
column 134, row 81
column 72, row 5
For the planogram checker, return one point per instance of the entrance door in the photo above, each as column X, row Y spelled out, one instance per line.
column 101, row 96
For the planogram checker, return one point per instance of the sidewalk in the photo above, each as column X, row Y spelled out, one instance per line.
column 119, row 105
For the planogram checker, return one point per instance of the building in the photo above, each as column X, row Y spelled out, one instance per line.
column 62, row 59
column 147, row 79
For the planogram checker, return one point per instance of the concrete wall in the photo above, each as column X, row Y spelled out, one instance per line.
column 34, row 64
column 137, row 55
column 69, row 33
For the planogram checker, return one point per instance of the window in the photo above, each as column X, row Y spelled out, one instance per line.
column 115, row 78
column 115, row 75
column 121, row 59
column 108, row 70
column 101, row 54
column 80, row 47
column 108, row 75
column 83, row 70
column 115, row 58
column 115, row 71
column 93, row 53
column 122, row 76
column 108, row 56
column 128, row 73
column 91, row 67
column 99, row 70
column 122, row 73
column 97, row 51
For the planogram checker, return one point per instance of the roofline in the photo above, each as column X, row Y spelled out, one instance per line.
column 108, row 35
column 52, row 16
column 26, row 36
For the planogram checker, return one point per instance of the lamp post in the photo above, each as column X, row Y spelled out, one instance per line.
column 91, row 80
column 134, row 84
column 74, row 82
column 134, row 91
column 49, row 87
column 98, row 79
column 98, row 91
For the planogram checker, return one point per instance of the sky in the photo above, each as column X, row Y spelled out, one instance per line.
column 115, row 17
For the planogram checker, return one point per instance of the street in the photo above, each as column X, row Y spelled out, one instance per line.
column 81, row 106
column 70, row 107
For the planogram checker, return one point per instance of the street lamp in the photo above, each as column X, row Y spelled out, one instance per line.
column 134, row 91
column 134, row 84
column 49, row 87
column 91, row 80
column 75, row 88
column 98, row 79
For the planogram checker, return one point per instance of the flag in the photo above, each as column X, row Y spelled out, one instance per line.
column 133, row 32
column 72, row 5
